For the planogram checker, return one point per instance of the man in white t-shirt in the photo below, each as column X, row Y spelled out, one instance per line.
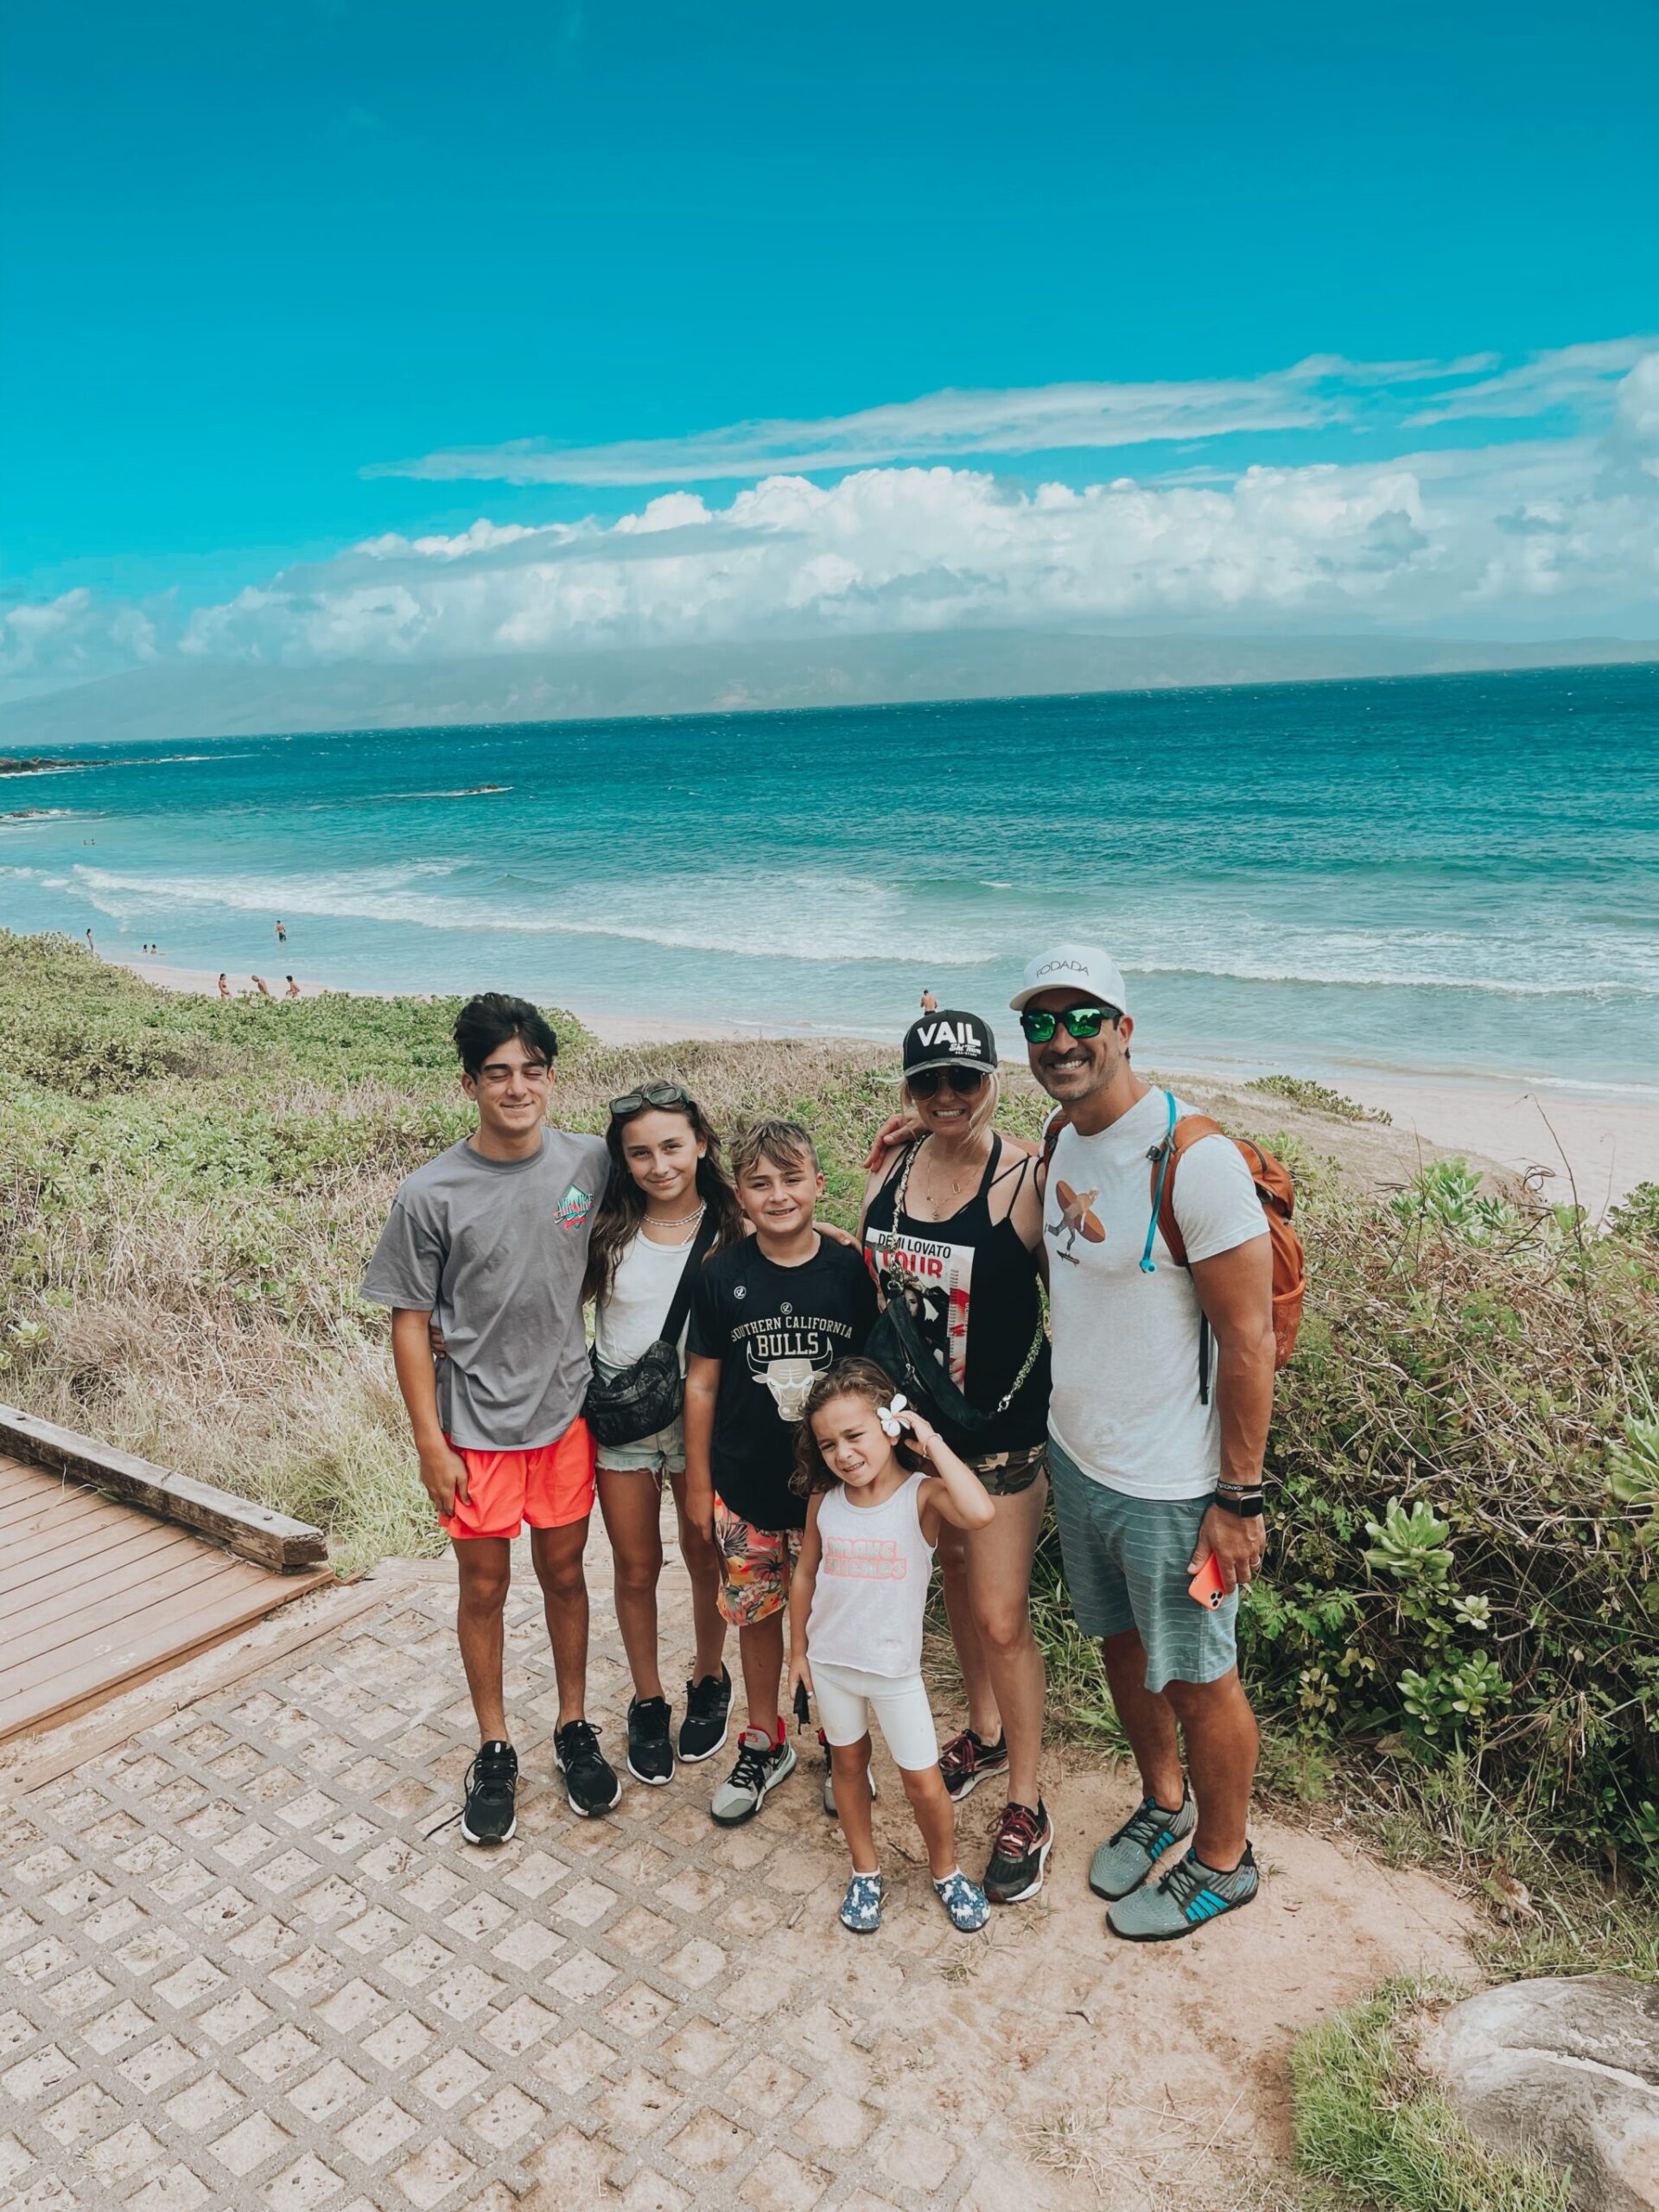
column 1163, row 1388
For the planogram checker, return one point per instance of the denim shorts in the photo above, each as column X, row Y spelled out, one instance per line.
column 1126, row 1567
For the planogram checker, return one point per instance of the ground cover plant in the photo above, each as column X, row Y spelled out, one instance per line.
column 1461, row 1620
column 1378, row 2130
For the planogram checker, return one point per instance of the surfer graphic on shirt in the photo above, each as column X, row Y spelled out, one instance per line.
column 1076, row 1218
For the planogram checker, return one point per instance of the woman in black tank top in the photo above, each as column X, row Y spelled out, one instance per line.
column 955, row 1214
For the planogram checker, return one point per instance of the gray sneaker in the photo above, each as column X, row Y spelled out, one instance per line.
column 1188, row 1896
column 829, row 1789
column 761, row 1766
column 1125, row 1859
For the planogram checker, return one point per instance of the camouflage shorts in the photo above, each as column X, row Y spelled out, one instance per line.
column 1005, row 1474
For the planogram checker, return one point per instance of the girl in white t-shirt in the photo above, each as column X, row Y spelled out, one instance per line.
column 881, row 1481
column 666, row 1179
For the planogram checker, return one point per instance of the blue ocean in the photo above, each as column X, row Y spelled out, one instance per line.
column 1454, row 874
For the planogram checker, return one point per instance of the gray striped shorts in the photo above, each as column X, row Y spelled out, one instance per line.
column 1126, row 1567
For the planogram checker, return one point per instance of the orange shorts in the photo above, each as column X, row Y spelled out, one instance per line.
column 550, row 1485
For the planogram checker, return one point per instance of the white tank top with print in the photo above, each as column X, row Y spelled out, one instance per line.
column 871, row 1588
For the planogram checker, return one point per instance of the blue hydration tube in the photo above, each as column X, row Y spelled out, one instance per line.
column 1148, row 1265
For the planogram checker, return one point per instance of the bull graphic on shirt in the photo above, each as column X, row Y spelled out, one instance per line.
column 788, row 1380
column 1076, row 1219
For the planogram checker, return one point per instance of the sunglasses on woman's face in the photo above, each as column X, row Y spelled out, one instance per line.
column 963, row 1081
column 650, row 1094
column 1080, row 1021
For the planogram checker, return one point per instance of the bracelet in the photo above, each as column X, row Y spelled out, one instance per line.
column 1242, row 1490
column 1250, row 1507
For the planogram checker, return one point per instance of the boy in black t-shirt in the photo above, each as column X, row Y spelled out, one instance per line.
column 769, row 1314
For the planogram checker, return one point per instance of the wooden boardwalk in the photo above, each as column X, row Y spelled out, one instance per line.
column 97, row 1595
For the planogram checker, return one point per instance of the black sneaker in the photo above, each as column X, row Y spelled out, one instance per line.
column 1023, row 1843
column 590, row 1785
column 707, row 1706
column 967, row 1760
column 488, row 1815
column 651, row 1755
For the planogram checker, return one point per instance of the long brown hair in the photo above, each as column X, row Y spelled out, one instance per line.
column 622, row 1209
column 848, row 1378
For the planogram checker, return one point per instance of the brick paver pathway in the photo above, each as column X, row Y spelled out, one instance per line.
column 237, row 1970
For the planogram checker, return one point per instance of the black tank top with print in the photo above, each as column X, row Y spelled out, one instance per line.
column 975, row 1297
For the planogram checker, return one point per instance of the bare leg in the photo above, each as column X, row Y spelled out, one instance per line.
column 851, row 1765
column 999, row 1583
column 632, row 1506
column 936, row 1816
column 485, row 1566
column 702, row 1565
column 1149, row 1719
column 556, row 1553
column 760, row 1647
column 1222, row 1741
column 982, row 1716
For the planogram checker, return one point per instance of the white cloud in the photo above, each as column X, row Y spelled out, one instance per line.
column 74, row 635
column 1321, row 392
column 1546, row 535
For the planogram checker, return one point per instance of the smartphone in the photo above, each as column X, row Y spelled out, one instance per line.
column 1206, row 1588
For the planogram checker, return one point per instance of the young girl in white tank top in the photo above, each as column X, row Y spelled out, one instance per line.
column 856, row 1608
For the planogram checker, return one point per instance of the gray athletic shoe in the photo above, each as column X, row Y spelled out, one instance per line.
column 761, row 1766
column 1125, row 1859
column 1189, row 1895
column 829, row 1789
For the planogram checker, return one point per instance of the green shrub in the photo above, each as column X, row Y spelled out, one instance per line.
column 1319, row 1098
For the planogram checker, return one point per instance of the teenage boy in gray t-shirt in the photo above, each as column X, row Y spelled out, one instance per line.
column 490, row 1241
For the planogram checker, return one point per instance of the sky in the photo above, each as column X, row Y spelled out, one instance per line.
column 384, row 330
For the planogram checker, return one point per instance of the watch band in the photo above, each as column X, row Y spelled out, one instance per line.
column 1249, row 1507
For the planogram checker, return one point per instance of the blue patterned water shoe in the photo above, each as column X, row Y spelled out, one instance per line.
column 966, row 1902
column 861, row 1909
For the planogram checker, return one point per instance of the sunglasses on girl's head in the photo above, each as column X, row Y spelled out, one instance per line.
column 649, row 1093
column 963, row 1081
column 1080, row 1020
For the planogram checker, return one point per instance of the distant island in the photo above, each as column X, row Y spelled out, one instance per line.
column 33, row 767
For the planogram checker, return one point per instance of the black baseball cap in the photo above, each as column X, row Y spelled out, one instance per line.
column 949, row 1040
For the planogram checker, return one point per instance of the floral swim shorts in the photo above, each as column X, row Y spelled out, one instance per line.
column 755, row 1567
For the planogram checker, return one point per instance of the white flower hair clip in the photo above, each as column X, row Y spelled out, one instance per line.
column 889, row 1415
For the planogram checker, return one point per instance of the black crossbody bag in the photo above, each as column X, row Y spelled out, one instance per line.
column 647, row 1396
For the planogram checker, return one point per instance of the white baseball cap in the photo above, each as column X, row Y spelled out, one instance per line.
column 1073, row 968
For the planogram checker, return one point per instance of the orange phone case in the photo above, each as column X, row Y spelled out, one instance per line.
column 1205, row 1587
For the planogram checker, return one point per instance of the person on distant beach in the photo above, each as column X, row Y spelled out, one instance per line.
column 667, row 1206
column 883, row 1485
column 952, row 1223
column 282, row 934
column 1154, row 1470
column 772, row 1312
column 224, row 986
column 90, row 947
column 261, row 986
column 490, row 1240
column 293, row 990
column 930, row 1004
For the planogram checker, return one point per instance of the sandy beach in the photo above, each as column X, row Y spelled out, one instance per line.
column 1592, row 1143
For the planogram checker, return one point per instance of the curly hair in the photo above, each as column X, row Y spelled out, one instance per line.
column 848, row 1378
